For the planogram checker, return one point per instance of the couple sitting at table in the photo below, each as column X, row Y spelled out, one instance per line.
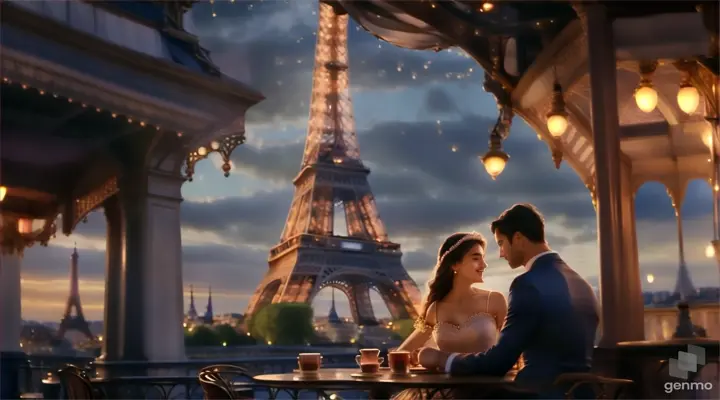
column 550, row 322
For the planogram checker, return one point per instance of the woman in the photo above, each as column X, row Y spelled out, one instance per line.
column 457, row 317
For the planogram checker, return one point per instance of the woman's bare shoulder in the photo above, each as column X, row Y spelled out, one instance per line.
column 498, row 300
column 431, row 314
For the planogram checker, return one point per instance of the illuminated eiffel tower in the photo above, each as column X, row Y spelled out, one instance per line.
column 332, row 183
column 77, row 322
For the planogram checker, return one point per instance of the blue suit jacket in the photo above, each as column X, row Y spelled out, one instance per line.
column 552, row 321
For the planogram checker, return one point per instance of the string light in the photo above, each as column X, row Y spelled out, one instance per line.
column 42, row 92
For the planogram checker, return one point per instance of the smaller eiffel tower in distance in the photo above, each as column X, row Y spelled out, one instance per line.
column 333, row 316
column 684, row 286
column 77, row 322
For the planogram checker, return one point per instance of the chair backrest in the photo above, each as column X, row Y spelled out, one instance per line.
column 577, row 385
column 227, row 371
column 76, row 383
column 214, row 386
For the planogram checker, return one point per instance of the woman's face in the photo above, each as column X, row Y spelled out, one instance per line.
column 471, row 267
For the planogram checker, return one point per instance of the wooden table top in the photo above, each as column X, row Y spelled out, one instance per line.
column 352, row 378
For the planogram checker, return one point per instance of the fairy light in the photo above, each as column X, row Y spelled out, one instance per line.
column 42, row 92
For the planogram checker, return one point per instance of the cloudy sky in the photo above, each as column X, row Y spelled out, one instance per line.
column 412, row 109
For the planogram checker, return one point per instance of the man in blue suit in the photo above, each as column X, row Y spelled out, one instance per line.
column 552, row 314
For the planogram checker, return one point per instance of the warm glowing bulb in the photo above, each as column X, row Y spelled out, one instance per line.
column 710, row 251
column 650, row 278
column 214, row 145
column 688, row 99
column 488, row 6
column 202, row 151
column 494, row 164
column 646, row 98
column 3, row 192
column 24, row 226
column 557, row 124
column 707, row 138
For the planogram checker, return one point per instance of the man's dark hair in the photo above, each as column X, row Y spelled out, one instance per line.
column 523, row 218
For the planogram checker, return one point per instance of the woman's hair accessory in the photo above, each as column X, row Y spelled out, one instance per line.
column 469, row 236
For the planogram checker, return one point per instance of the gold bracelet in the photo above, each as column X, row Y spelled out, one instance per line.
column 420, row 324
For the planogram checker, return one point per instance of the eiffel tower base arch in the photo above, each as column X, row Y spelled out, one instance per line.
column 298, row 276
column 357, row 290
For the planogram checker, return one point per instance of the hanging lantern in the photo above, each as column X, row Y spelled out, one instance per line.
column 495, row 159
column 646, row 97
column 688, row 98
column 494, row 162
column 557, row 118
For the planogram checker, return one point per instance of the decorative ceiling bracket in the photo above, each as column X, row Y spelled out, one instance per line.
column 225, row 146
column 590, row 185
column 82, row 206
column 557, row 153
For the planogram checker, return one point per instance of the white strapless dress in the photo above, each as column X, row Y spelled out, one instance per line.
column 477, row 334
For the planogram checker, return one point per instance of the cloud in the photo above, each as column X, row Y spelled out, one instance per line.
column 439, row 102
column 270, row 46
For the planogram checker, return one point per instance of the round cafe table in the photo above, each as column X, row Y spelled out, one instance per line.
column 431, row 385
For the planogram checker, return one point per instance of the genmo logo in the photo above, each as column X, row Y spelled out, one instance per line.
column 687, row 386
column 687, row 362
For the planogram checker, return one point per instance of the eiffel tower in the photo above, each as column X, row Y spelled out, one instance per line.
column 332, row 182
column 684, row 286
column 78, row 322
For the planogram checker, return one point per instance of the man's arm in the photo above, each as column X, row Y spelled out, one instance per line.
column 520, row 326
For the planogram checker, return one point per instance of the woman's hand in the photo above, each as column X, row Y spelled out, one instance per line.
column 415, row 357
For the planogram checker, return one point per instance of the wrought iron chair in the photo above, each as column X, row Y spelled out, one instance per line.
column 76, row 383
column 601, row 386
column 215, row 387
column 228, row 375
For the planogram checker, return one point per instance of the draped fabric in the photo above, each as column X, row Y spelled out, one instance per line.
column 393, row 25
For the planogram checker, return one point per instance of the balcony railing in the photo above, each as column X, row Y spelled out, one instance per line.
column 172, row 379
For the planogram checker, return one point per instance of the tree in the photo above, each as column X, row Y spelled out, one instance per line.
column 231, row 337
column 202, row 336
column 403, row 328
column 283, row 324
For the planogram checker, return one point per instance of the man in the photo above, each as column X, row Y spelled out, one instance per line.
column 552, row 316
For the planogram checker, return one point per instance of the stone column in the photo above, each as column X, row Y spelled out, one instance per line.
column 114, row 282
column 10, row 303
column 11, row 354
column 619, row 285
column 153, row 267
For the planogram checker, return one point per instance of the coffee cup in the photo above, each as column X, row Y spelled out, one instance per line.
column 399, row 361
column 368, row 360
column 309, row 362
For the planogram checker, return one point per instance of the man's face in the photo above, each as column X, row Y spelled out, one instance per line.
column 510, row 253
